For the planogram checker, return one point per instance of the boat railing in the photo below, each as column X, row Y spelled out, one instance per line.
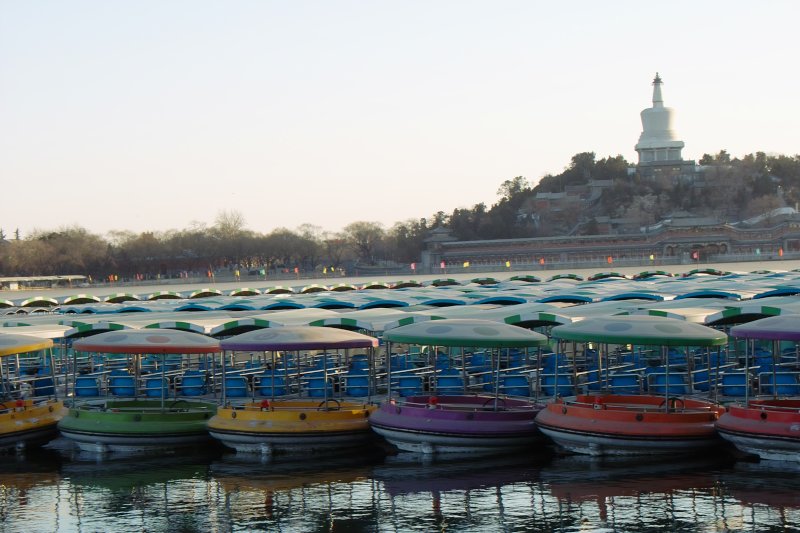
column 776, row 408
column 735, row 382
column 140, row 409
column 674, row 383
column 626, row 383
column 706, row 379
column 556, row 384
column 675, row 404
column 592, row 379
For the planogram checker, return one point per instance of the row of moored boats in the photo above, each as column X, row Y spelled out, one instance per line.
column 615, row 385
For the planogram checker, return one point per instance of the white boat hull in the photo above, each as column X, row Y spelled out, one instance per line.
column 431, row 443
column 597, row 444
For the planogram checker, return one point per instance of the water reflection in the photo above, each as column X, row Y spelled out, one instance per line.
column 59, row 490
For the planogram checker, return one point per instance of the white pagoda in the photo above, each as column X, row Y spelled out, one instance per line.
column 659, row 148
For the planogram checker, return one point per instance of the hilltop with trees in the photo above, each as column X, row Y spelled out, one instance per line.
column 726, row 188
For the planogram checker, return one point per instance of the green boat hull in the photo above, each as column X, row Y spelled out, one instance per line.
column 137, row 425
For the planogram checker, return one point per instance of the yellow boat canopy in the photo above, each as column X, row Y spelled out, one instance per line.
column 13, row 344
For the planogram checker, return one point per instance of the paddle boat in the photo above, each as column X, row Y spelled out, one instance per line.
column 472, row 406
column 313, row 395
column 143, row 393
column 622, row 408
column 768, row 427
column 29, row 406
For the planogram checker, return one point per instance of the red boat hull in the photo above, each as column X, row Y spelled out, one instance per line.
column 630, row 425
column 769, row 429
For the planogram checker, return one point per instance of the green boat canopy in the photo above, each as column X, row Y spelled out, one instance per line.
column 465, row 332
column 406, row 283
column 444, row 282
column 177, row 324
column 81, row 299
column 83, row 329
column 205, row 293
column 342, row 287
column 279, row 289
column 565, row 276
column 314, row 287
column 640, row 329
column 165, row 295
column 243, row 325
column 527, row 278
column 121, row 297
column 244, row 291
column 376, row 285
column 39, row 301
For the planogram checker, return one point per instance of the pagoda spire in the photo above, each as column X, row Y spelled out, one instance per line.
column 658, row 100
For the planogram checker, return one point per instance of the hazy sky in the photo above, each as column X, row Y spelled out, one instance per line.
column 154, row 114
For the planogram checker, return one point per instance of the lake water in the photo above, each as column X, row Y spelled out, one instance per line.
column 60, row 490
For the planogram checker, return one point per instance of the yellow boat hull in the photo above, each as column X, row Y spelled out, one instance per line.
column 292, row 426
column 25, row 424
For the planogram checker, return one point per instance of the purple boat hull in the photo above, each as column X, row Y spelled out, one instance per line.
column 457, row 424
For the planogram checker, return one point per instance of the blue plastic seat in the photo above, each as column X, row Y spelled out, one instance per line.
column 672, row 383
column 317, row 384
column 550, row 361
column 487, row 379
column 156, row 387
column 269, row 385
column 193, row 383
column 120, row 383
column 236, row 387
column 625, row 384
column 401, row 362
column 449, row 381
column 701, row 379
column 478, row 362
column 560, row 385
column 86, row 386
column 594, row 381
column 409, row 385
column 515, row 385
column 676, row 357
column 442, row 361
column 43, row 386
column 517, row 360
column 785, row 384
column 734, row 384
column 356, row 383
column 359, row 362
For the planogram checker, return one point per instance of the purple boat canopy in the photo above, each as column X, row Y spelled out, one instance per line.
column 776, row 328
column 289, row 338
column 148, row 341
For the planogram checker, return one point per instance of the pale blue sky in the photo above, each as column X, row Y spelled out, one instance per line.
column 149, row 115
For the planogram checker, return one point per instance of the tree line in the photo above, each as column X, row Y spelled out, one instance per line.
column 726, row 187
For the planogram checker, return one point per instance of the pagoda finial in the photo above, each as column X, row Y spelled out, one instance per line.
column 658, row 100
